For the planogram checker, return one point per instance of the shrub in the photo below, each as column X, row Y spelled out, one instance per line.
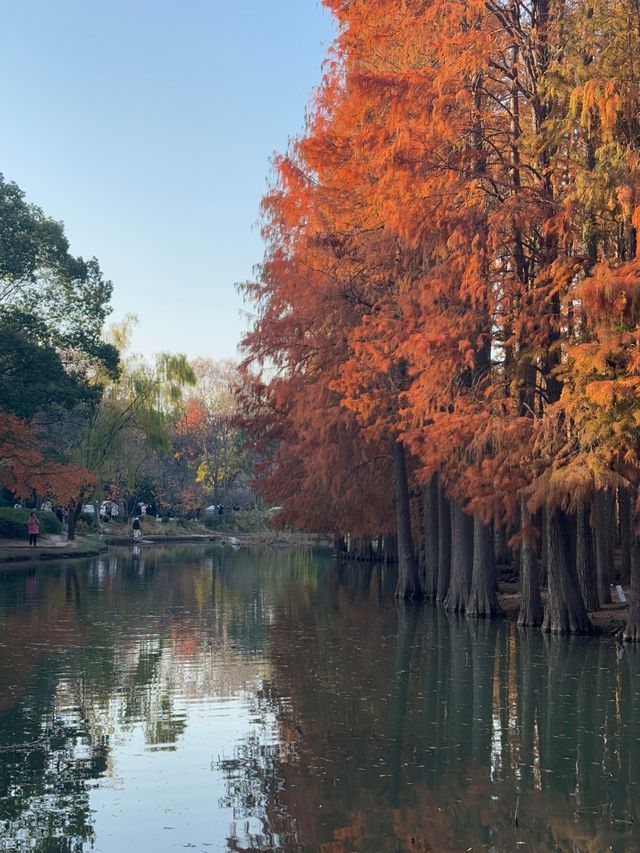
column 172, row 527
column 13, row 523
column 239, row 521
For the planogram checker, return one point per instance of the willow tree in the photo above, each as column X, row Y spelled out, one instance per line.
column 141, row 398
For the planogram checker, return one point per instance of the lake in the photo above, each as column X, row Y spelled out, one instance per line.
column 200, row 698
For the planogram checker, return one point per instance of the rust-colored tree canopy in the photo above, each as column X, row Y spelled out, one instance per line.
column 451, row 269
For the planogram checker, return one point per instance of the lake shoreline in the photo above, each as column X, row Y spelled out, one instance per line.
column 608, row 621
column 52, row 549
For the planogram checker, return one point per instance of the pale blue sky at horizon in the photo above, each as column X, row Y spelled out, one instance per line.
column 148, row 128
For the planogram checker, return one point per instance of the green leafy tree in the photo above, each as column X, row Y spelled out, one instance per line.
column 33, row 377
column 40, row 277
column 137, row 405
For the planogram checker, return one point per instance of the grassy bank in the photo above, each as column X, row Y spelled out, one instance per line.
column 244, row 527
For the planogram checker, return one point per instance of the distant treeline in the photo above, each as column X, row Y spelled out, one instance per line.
column 82, row 419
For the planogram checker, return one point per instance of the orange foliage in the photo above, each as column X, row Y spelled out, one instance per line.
column 431, row 263
column 25, row 468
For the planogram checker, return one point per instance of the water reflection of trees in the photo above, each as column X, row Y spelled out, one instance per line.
column 382, row 728
column 254, row 794
column 413, row 729
column 90, row 652
column 46, row 760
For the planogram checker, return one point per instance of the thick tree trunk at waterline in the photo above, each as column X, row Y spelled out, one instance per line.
column 565, row 612
column 626, row 534
column 431, row 538
column 444, row 545
column 483, row 600
column 531, row 609
column 390, row 549
column 408, row 577
column 585, row 560
column 461, row 559
column 544, row 549
column 632, row 629
column 604, row 514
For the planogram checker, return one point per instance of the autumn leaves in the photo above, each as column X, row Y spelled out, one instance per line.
column 451, row 265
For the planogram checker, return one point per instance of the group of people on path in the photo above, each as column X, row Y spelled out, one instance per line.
column 33, row 528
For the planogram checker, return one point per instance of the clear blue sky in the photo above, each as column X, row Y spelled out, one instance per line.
column 147, row 126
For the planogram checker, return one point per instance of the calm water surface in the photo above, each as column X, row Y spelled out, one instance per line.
column 199, row 698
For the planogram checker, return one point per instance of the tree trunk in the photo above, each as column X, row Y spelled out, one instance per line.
column 444, row 545
column 461, row 559
column 503, row 553
column 585, row 560
column 483, row 600
column 531, row 609
column 390, row 549
column 431, row 538
column 544, row 548
column 604, row 556
column 408, row 577
column 74, row 511
column 632, row 629
column 565, row 612
column 516, row 561
column 624, row 496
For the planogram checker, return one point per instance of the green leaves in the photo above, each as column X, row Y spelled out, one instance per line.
column 40, row 278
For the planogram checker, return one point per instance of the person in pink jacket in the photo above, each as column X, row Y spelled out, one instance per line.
column 33, row 525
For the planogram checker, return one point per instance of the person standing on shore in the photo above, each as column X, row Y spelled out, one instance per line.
column 33, row 526
column 136, row 528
